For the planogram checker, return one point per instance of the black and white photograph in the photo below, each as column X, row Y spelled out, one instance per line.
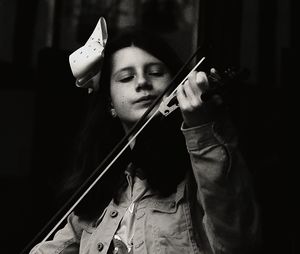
column 150, row 126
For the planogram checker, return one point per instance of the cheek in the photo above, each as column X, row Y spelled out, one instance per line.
column 163, row 83
column 122, row 101
column 118, row 101
column 120, row 96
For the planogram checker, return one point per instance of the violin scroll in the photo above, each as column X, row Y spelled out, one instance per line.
column 224, row 82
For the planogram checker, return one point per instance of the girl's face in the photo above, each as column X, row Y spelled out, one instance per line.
column 137, row 79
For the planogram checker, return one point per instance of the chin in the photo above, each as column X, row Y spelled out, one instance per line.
column 137, row 115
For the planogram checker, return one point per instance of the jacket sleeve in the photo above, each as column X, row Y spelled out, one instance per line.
column 223, row 192
column 65, row 241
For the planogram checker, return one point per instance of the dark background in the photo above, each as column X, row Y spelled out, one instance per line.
column 41, row 109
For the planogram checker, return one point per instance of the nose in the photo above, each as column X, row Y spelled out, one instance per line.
column 143, row 83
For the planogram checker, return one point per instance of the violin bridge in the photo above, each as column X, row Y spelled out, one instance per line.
column 168, row 105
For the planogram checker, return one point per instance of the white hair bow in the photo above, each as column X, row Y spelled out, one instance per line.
column 86, row 61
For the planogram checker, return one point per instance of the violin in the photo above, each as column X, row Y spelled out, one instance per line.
column 219, row 82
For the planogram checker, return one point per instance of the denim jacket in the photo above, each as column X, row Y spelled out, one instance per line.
column 212, row 211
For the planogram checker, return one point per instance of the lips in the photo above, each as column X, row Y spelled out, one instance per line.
column 146, row 99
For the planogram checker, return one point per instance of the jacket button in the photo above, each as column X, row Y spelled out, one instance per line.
column 114, row 213
column 100, row 246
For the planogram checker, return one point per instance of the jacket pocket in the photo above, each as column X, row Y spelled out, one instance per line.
column 168, row 219
column 169, row 228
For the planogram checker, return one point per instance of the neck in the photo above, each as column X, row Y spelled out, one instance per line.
column 127, row 128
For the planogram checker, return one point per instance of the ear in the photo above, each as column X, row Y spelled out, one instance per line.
column 112, row 109
column 86, row 61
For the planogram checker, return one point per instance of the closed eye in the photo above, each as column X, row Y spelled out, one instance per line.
column 125, row 75
column 156, row 70
column 156, row 73
column 126, row 79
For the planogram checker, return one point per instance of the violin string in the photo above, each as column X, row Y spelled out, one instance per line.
column 123, row 140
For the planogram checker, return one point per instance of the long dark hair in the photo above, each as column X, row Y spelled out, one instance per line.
column 101, row 132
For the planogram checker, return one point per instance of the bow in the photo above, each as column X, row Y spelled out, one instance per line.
column 86, row 61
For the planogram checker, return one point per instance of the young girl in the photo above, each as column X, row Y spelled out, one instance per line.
column 182, row 187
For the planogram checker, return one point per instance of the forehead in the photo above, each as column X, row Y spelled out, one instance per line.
column 131, row 57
